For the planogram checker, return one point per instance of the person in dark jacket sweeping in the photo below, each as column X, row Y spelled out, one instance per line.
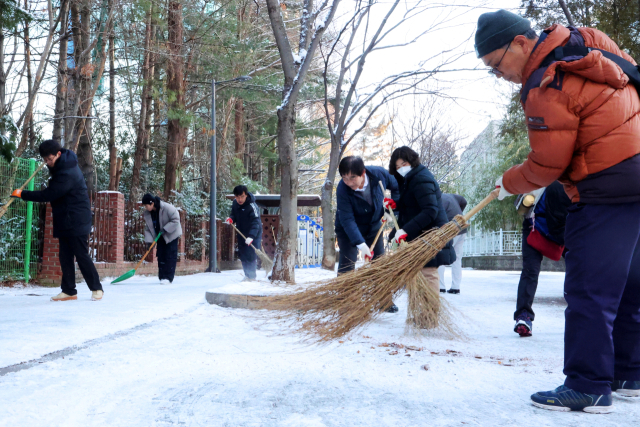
column 72, row 218
column 162, row 216
column 359, row 211
column 246, row 214
column 419, row 207
column 549, row 216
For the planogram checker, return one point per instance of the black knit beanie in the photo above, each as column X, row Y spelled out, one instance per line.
column 496, row 29
column 148, row 199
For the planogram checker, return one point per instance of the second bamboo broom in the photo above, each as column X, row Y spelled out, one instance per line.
column 266, row 261
column 331, row 309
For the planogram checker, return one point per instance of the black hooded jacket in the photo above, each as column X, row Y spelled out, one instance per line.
column 247, row 217
column 67, row 193
column 420, row 209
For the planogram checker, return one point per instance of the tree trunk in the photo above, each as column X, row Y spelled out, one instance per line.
column 285, row 256
column 328, row 214
column 176, row 131
column 142, row 138
column 61, row 89
column 113, row 152
column 271, row 176
column 84, row 127
column 239, row 129
column 3, row 78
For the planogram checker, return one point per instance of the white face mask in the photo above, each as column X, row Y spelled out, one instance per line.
column 404, row 170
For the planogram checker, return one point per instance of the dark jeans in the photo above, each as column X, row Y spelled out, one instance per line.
column 349, row 252
column 167, row 254
column 248, row 256
column 77, row 247
column 602, row 289
column 531, row 262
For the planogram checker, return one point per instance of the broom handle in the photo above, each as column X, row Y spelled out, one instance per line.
column 477, row 208
column 240, row 233
column 147, row 253
column 5, row 208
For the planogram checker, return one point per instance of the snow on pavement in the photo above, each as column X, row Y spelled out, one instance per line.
column 159, row 355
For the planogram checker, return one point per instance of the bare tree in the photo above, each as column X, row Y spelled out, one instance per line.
column 348, row 106
column 295, row 68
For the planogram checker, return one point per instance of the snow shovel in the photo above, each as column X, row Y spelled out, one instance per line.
column 129, row 274
column 266, row 261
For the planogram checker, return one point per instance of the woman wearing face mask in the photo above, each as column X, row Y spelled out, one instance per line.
column 419, row 207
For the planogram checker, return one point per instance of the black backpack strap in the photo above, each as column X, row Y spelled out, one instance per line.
column 562, row 52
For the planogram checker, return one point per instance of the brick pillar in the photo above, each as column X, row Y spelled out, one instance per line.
column 50, row 271
column 115, row 206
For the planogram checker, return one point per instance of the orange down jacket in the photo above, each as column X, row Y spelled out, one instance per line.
column 583, row 122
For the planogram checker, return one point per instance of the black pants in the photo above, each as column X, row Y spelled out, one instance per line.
column 167, row 254
column 349, row 252
column 531, row 263
column 77, row 247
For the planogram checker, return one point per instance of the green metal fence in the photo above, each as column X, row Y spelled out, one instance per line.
column 19, row 226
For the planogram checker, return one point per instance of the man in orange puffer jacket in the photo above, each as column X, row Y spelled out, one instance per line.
column 584, row 130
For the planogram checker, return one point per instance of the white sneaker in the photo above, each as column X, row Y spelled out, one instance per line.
column 165, row 282
column 64, row 297
column 246, row 279
column 96, row 295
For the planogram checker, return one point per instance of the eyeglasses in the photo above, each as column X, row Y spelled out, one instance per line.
column 495, row 70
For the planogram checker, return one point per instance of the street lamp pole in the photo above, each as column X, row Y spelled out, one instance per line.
column 213, row 226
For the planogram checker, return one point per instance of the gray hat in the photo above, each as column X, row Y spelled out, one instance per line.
column 496, row 29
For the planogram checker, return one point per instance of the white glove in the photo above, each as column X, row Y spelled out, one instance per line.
column 400, row 236
column 503, row 193
column 248, row 241
column 387, row 217
column 362, row 247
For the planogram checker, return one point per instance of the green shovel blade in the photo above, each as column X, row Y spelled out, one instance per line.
column 129, row 274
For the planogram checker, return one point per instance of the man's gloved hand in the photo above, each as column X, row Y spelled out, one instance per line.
column 503, row 193
column 362, row 247
column 17, row 194
column 228, row 221
column 248, row 241
column 401, row 236
column 387, row 217
column 388, row 203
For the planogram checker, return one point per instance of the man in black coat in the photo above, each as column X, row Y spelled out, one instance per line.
column 360, row 209
column 359, row 212
column 72, row 218
column 246, row 214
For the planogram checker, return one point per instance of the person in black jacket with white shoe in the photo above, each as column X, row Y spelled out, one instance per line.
column 72, row 218
column 246, row 214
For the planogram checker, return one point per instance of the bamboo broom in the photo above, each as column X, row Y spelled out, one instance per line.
column 424, row 308
column 266, row 261
column 333, row 308
column 5, row 208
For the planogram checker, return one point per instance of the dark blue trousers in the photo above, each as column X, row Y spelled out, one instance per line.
column 531, row 263
column 349, row 252
column 248, row 256
column 602, row 289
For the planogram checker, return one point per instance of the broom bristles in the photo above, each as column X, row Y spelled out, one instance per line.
column 267, row 264
column 333, row 308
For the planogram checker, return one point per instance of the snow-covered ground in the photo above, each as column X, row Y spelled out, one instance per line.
column 159, row 355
